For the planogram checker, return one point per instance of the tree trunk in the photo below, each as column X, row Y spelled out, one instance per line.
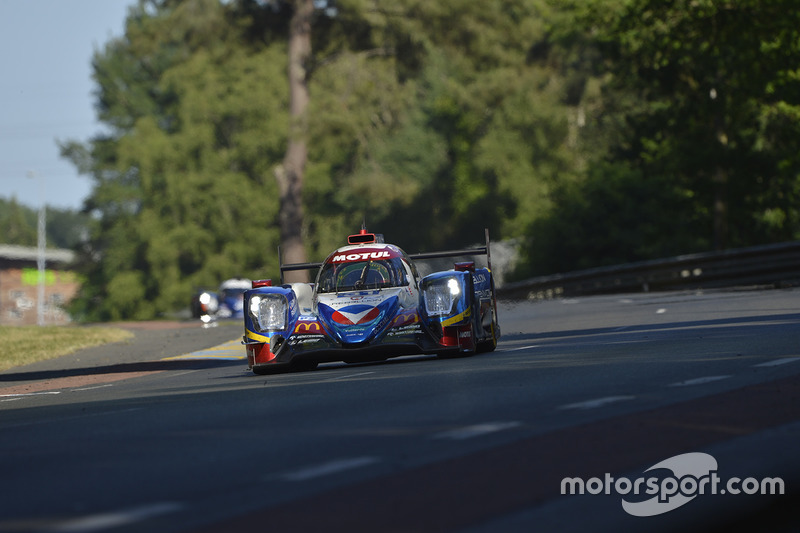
column 290, row 174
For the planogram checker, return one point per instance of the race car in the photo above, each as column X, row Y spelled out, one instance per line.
column 369, row 303
column 227, row 302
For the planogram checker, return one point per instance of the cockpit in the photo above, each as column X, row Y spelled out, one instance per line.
column 361, row 275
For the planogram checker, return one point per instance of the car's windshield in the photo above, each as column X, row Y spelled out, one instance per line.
column 361, row 275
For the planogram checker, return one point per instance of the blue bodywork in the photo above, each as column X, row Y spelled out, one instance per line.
column 300, row 325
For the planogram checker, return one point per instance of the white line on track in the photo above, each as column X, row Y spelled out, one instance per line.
column 28, row 394
column 328, row 468
column 698, row 381
column 102, row 521
column 597, row 402
column 348, row 376
column 520, row 348
column 778, row 362
column 468, row 432
column 93, row 388
column 182, row 373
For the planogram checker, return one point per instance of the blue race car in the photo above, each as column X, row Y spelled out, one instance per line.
column 226, row 303
column 369, row 304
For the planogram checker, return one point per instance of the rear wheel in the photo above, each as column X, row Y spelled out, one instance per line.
column 490, row 344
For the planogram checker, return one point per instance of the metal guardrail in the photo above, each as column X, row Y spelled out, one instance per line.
column 776, row 265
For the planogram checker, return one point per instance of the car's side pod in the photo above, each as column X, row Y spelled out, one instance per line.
column 447, row 309
column 484, row 284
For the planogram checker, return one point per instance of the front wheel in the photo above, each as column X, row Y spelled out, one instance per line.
column 489, row 344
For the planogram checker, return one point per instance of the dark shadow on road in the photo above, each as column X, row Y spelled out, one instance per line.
column 146, row 366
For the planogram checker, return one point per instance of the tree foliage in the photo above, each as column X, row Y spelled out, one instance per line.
column 64, row 228
column 590, row 131
column 182, row 193
column 719, row 80
column 699, row 106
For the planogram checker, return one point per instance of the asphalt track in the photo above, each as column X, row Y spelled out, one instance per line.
column 169, row 432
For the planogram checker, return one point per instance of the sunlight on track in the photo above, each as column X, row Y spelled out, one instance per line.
column 231, row 350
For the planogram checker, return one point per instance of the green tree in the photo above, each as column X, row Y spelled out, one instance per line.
column 65, row 228
column 431, row 120
column 182, row 182
column 591, row 131
column 692, row 131
column 718, row 107
column 450, row 126
column 17, row 223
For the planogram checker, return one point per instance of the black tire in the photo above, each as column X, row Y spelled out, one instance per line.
column 490, row 344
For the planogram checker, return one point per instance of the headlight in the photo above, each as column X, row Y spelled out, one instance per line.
column 439, row 296
column 269, row 311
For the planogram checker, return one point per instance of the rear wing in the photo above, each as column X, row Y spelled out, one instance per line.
column 483, row 250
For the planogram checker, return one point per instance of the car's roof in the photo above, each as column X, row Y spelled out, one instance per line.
column 236, row 283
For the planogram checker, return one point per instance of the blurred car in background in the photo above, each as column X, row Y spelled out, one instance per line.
column 226, row 302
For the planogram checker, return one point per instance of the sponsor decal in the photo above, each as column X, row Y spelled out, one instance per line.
column 405, row 318
column 357, row 321
column 306, row 339
column 672, row 483
column 355, row 314
column 342, row 300
column 361, row 256
column 404, row 330
column 308, row 327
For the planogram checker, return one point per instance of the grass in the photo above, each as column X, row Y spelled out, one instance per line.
column 22, row 345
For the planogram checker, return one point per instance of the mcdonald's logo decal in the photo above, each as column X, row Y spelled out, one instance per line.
column 308, row 327
column 403, row 319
